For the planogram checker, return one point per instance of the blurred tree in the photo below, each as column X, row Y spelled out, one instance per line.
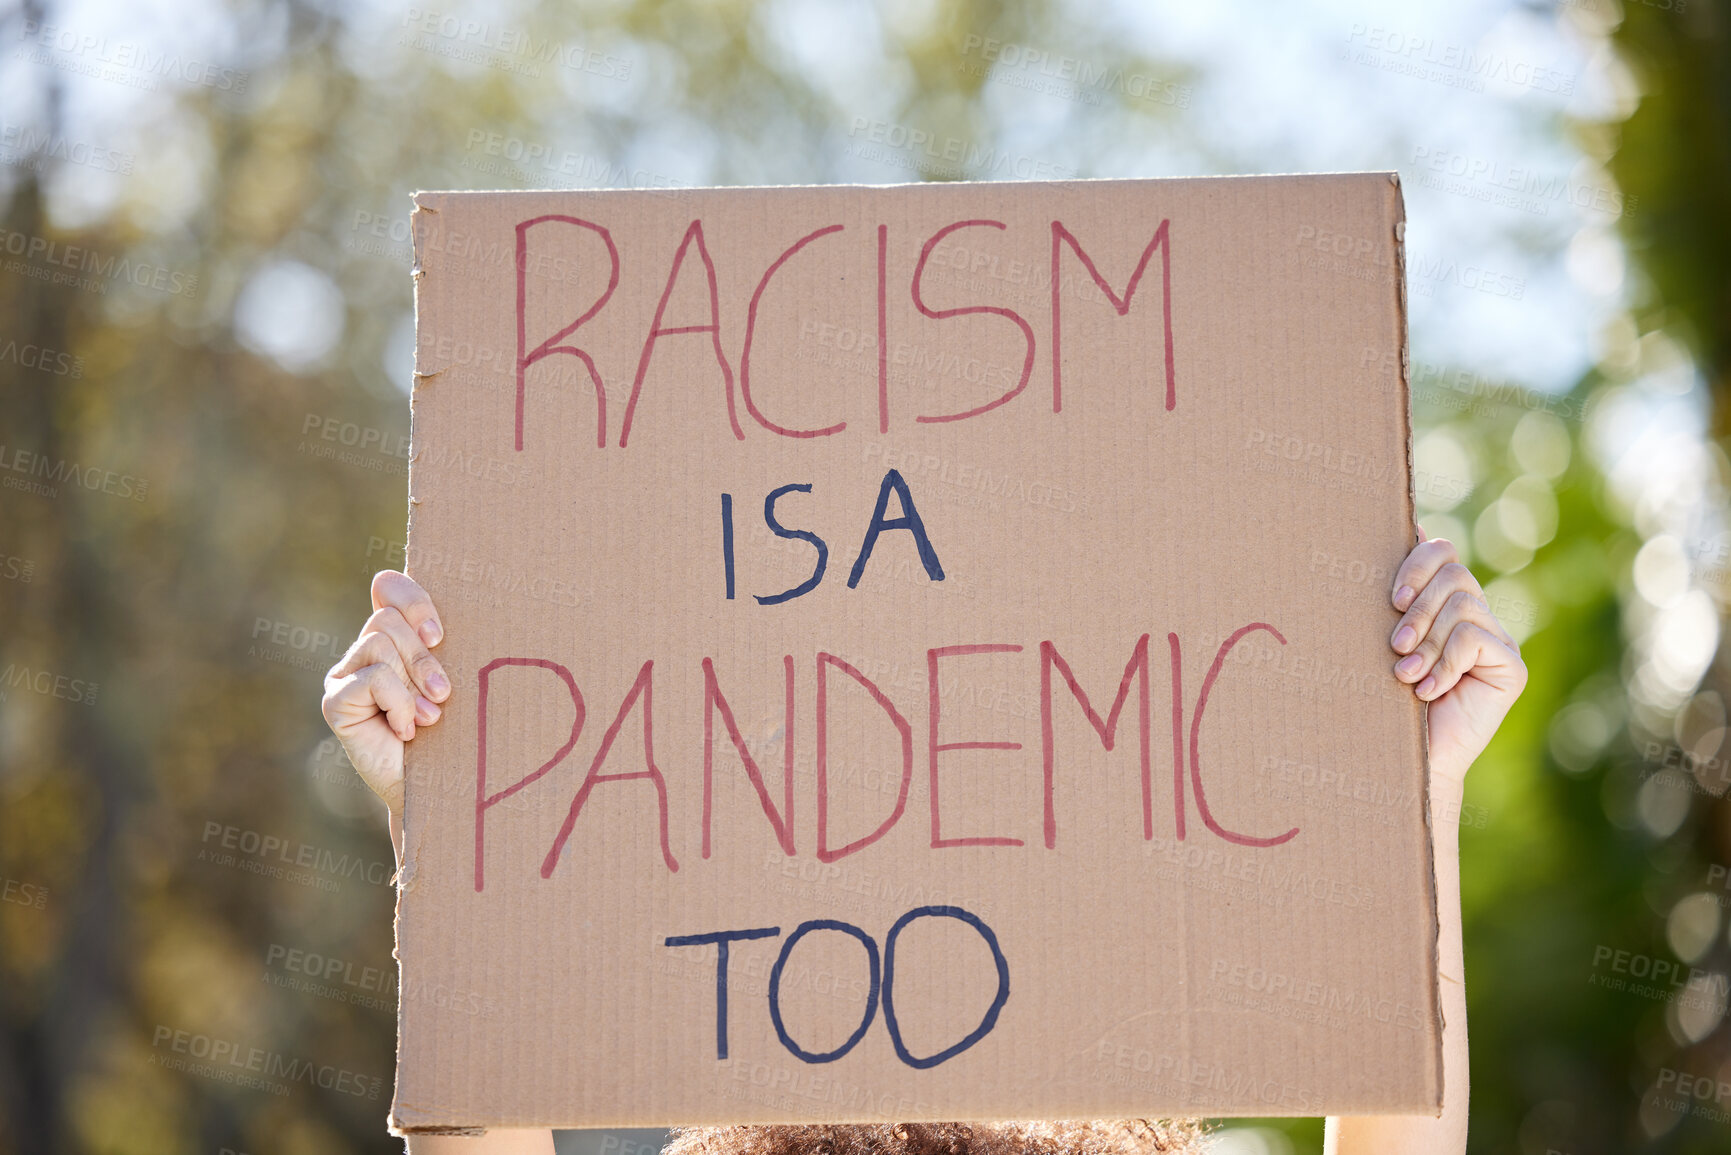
column 1607, row 787
column 1674, row 159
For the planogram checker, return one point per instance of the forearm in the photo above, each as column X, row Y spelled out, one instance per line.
column 1422, row 1135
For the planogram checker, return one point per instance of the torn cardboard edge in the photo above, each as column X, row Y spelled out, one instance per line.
column 1424, row 726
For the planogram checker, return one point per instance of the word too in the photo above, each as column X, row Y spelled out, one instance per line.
column 881, row 982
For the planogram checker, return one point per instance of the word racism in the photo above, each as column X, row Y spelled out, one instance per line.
column 780, row 818
column 739, row 391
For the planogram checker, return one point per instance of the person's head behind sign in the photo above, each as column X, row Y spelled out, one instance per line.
column 1099, row 1137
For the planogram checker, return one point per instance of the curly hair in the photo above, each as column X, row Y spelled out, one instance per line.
column 1096, row 1137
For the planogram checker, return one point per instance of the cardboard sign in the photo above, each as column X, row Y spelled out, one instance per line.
column 920, row 653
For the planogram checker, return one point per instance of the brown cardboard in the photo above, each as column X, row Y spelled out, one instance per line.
column 1224, row 472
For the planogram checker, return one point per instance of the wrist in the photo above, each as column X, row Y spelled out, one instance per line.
column 1447, row 779
column 1446, row 786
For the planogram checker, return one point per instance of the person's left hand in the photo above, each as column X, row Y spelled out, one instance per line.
column 1457, row 657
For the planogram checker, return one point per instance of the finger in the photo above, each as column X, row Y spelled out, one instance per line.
column 1473, row 651
column 353, row 700
column 377, row 648
column 414, row 663
column 405, row 594
column 373, row 690
column 369, row 650
column 1420, row 566
column 1461, row 606
column 1451, row 579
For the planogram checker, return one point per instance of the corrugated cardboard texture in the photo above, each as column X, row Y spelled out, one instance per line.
column 1180, row 550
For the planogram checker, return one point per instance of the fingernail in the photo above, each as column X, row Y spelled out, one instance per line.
column 1403, row 598
column 1409, row 664
column 426, row 712
column 436, row 682
column 1426, row 688
column 1404, row 639
column 430, row 632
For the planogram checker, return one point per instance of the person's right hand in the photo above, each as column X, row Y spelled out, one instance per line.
column 387, row 684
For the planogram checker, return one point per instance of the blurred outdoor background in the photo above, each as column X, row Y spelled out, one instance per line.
column 205, row 349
